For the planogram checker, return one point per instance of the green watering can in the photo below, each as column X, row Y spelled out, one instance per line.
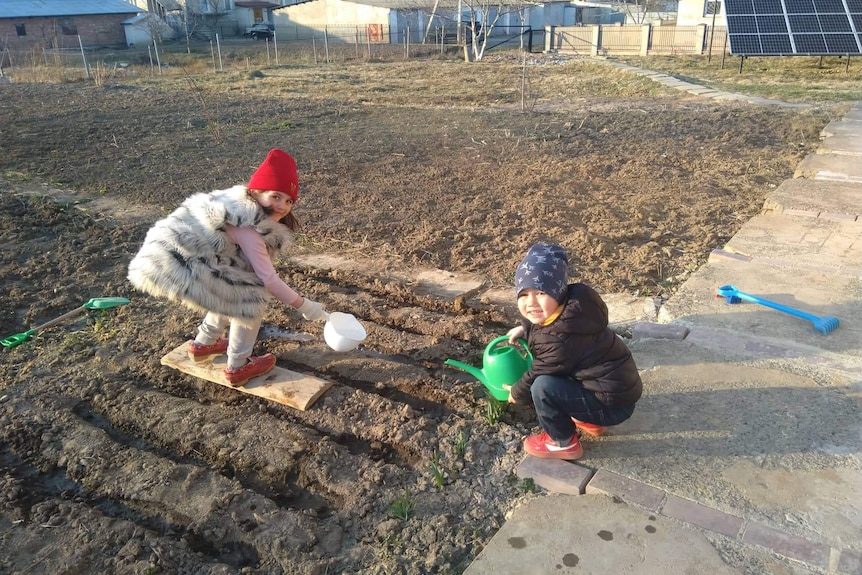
column 502, row 365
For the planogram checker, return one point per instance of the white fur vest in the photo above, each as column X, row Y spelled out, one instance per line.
column 188, row 258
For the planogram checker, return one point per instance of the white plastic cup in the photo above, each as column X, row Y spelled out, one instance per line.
column 343, row 332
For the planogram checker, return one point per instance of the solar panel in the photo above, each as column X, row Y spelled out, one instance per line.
column 794, row 27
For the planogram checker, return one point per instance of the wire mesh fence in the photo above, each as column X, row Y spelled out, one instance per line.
column 339, row 45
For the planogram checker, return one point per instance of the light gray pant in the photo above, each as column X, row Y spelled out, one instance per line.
column 241, row 339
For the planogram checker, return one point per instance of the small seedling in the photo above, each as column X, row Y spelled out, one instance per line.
column 402, row 507
column 494, row 410
column 437, row 471
column 460, row 445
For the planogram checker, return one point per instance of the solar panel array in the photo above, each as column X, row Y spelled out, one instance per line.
column 794, row 27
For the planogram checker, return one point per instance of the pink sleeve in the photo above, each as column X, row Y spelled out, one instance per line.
column 255, row 252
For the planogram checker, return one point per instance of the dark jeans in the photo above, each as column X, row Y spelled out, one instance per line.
column 559, row 399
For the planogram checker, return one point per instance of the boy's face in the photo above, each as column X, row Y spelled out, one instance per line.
column 536, row 306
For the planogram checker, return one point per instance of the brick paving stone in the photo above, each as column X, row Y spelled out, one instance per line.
column 555, row 475
column 725, row 255
column 629, row 490
column 804, row 213
column 830, row 216
column 791, row 546
column 659, row 331
column 702, row 516
column 850, row 563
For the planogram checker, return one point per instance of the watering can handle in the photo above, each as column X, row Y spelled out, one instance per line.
column 505, row 338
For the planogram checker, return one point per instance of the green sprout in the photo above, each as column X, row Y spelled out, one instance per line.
column 460, row 445
column 494, row 410
column 438, row 472
column 402, row 507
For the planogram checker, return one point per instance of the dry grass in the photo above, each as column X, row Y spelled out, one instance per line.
column 434, row 84
column 440, row 78
column 792, row 78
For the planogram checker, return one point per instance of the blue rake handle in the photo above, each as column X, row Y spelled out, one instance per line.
column 824, row 324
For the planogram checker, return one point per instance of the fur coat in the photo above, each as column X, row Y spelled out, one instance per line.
column 188, row 258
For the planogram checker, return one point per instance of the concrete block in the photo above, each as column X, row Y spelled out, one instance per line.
column 702, row 516
column 844, row 145
column 791, row 546
column 834, row 166
column 555, row 475
column 629, row 490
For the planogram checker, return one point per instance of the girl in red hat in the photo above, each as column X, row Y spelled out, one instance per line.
column 214, row 254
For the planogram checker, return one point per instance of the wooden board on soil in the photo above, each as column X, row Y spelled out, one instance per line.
column 279, row 385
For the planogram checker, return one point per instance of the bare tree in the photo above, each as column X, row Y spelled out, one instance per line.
column 484, row 16
column 637, row 11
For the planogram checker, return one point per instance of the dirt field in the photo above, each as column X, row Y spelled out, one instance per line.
column 111, row 463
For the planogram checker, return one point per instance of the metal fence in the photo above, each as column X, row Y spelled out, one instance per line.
column 344, row 44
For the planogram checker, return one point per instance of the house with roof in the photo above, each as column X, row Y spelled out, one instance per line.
column 392, row 20
column 205, row 18
column 696, row 12
column 29, row 24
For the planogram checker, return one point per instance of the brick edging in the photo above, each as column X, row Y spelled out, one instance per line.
column 574, row 479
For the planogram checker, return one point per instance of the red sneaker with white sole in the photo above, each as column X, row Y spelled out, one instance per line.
column 590, row 428
column 200, row 352
column 543, row 446
column 256, row 366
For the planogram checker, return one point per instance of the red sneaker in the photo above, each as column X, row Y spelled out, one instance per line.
column 255, row 366
column 590, row 428
column 200, row 352
column 543, row 446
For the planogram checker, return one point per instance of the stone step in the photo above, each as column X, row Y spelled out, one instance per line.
column 832, row 246
column 824, row 198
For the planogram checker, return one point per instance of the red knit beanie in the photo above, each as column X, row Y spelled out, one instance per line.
column 277, row 173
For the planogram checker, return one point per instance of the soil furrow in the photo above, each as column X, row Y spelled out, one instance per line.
column 113, row 463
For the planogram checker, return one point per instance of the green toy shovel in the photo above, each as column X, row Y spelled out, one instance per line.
column 93, row 303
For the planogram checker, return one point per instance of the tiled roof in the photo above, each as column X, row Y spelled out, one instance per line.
column 43, row 8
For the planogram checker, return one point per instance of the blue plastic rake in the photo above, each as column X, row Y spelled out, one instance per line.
column 823, row 324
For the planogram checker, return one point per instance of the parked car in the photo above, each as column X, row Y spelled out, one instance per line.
column 261, row 31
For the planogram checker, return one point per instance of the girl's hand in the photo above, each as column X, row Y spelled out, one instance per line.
column 311, row 310
column 509, row 389
column 515, row 333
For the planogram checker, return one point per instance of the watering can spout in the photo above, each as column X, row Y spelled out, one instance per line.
column 475, row 372
column 502, row 366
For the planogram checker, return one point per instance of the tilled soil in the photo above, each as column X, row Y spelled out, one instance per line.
column 112, row 463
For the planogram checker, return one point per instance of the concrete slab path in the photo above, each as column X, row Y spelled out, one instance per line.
column 745, row 453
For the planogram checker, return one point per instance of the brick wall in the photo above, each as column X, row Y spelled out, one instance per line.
column 53, row 32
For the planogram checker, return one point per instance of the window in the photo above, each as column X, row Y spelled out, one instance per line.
column 712, row 7
column 67, row 25
column 21, row 29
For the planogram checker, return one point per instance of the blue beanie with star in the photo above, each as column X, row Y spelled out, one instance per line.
column 545, row 268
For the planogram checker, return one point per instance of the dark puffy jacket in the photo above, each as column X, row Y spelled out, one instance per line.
column 579, row 344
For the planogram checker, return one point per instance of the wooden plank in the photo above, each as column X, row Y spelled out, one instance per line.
column 280, row 385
